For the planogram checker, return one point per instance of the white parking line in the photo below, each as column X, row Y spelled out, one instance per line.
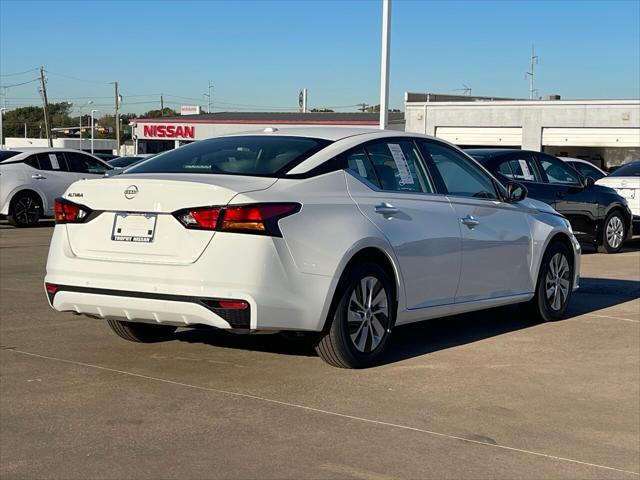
column 613, row 318
column 326, row 412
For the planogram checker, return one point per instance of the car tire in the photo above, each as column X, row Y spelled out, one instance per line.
column 142, row 332
column 613, row 233
column 554, row 286
column 363, row 316
column 25, row 210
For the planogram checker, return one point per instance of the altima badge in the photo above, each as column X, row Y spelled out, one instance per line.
column 130, row 192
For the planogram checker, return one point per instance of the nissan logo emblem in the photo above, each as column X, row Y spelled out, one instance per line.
column 130, row 192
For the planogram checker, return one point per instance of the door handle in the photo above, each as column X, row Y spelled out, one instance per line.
column 386, row 209
column 470, row 221
column 37, row 176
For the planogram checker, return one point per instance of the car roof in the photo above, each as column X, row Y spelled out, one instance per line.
column 325, row 133
column 492, row 152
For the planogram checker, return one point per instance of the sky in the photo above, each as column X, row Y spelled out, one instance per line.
column 258, row 54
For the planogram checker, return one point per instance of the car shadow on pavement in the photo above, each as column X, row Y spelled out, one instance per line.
column 438, row 334
column 45, row 223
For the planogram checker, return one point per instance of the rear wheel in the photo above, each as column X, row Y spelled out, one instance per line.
column 613, row 233
column 362, row 321
column 25, row 210
column 142, row 332
column 555, row 284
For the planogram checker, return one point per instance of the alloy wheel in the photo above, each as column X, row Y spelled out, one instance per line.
column 557, row 281
column 368, row 314
column 26, row 210
column 615, row 232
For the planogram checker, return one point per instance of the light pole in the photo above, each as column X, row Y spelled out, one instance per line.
column 384, row 64
column 90, row 102
column 2, row 110
column 93, row 112
column 208, row 102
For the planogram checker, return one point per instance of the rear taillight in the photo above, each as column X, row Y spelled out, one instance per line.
column 69, row 212
column 258, row 218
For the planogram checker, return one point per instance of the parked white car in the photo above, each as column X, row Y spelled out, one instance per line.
column 342, row 232
column 626, row 181
column 31, row 179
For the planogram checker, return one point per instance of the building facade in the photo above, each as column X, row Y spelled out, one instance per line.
column 154, row 135
column 605, row 132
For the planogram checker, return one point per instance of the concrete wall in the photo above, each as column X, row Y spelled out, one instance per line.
column 102, row 145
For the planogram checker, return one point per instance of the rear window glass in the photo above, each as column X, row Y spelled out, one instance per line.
column 242, row 155
column 628, row 170
column 4, row 154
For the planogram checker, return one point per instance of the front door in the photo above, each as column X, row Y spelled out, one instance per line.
column 50, row 175
column 392, row 188
column 496, row 236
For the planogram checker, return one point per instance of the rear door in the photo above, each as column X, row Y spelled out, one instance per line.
column 496, row 236
column 48, row 172
column 392, row 188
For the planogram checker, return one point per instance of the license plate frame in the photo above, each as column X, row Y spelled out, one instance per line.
column 134, row 227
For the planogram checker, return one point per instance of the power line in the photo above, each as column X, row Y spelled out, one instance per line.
column 75, row 78
column 18, row 84
column 17, row 73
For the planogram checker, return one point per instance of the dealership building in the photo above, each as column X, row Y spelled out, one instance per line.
column 605, row 132
column 153, row 135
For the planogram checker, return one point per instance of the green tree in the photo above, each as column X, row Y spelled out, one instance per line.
column 166, row 112
column 14, row 120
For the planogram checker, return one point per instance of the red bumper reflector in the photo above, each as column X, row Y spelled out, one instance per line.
column 51, row 288
column 233, row 304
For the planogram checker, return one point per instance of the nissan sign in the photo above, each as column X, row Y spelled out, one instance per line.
column 190, row 110
column 169, row 131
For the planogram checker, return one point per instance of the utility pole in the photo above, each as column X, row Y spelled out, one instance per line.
column 2, row 110
column 384, row 64
column 534, row 61
column 209, row 97
column 117, row 118
column 363, row 106
column 161, row 105
column 45, row 107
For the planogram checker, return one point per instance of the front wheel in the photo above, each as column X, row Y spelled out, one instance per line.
column 613, row 233
column 141, row 332
column 555, row 284
column 364, row 315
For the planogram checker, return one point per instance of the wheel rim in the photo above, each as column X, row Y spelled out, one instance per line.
column 558, row 281
column 26, row 210
column 615, row 232
column 368, row 314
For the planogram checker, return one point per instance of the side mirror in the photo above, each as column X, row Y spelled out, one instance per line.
column 516, row 192
column 589, row 181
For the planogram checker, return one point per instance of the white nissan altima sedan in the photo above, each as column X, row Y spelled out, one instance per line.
column 343, row 232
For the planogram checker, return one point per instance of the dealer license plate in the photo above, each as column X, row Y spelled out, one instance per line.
column 134, row 227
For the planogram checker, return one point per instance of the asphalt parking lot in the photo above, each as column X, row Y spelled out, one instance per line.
column 488, row 395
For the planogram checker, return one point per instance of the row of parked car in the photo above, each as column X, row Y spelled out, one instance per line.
column 604, row 210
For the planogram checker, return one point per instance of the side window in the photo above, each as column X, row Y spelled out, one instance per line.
column 32, row 161
column 557, row 172
column 587, row 170
column 460, row 175
column 505, row 169
column 398, row 166
column 52, row 161
column 524, row 169
column 81, row 163
column 358, row 163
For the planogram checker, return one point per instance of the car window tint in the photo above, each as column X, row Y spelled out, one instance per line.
column 587, row 170
column 32, row 161
column 398, row 166
column 5, row 154
column 505, row 169
column 459, row 174
column 524, row 169
column 261, row 155
column 557, row 172
column 359, row 164
column 52, row 161
column 628, row 170
column 81, row 163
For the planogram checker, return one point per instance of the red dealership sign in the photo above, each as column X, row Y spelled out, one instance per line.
column 169, row 131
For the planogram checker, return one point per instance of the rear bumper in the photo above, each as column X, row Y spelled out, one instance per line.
column 256, row 269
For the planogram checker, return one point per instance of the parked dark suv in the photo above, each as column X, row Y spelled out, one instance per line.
column 598, row 215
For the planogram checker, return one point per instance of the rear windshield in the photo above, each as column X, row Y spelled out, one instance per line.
column 259, row 155
column 628, row 170
column 4, row 154
column 123, row 161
